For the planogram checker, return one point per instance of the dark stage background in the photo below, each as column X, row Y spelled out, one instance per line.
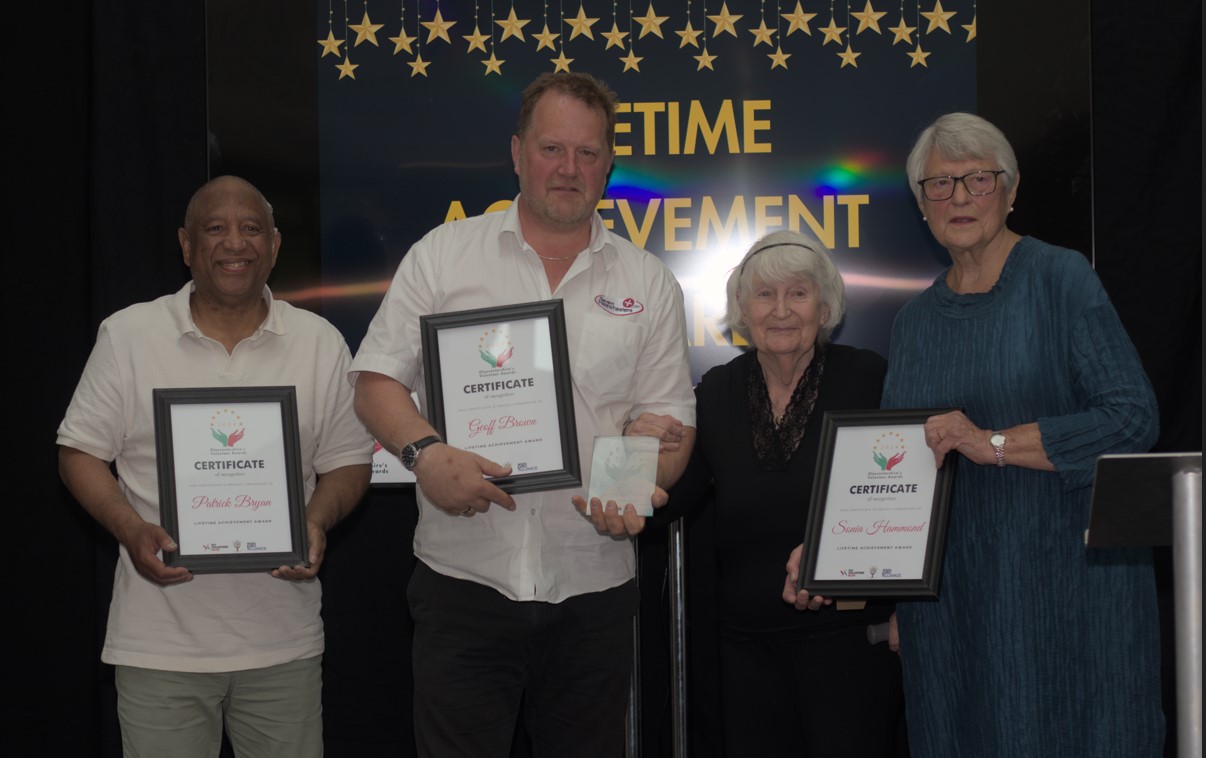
column 109, row 125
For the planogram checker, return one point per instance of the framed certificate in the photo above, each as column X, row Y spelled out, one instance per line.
column 230, row 482
column 877, row 523
column 498, row 384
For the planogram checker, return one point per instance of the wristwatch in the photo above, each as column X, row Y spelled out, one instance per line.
column 410, row 453
column 997, row 440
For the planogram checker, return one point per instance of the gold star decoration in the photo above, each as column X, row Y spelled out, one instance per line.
column 437, row 27
column 724, row 22
column 779, row 59
column 347, row 68
column 631, row 61
column 799, row 20
column 705, row 60
column 938, row 18
column 418, row 66
column 493, row 65
column 615, row 38
column 869, row 18
column 903, row 32
column 402, row 42
column 330, row 45
column 561, row 63
column 512, row 26
column 581, row 25
column 969, row 28
column 848, row 57
column 546, row 39
column 689, row 36
column 477, row 40
column 762, row 34
column 919, row 56
column 366, row 30
column 833, row 33
column 650, row 23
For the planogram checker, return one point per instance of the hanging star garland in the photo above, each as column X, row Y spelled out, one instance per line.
column 437, row 28
column 724, row 21
column 798, row 21
column 868, row 18
column 512, row 26
column 938, row 18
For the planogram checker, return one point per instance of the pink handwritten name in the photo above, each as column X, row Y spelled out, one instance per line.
column 478, row 426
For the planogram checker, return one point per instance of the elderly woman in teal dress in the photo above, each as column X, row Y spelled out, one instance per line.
column 1037, row 645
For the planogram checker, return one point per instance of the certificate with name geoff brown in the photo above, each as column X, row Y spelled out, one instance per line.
column 498, row 384
column 877, row 523
column 230, row 485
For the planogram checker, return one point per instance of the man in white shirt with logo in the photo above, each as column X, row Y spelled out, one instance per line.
column 529, row 598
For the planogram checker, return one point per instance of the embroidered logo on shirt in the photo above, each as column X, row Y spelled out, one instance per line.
column 619, row 306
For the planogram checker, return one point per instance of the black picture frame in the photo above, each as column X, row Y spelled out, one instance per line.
column 569, row 474
column 925, row 586
column 230, row 557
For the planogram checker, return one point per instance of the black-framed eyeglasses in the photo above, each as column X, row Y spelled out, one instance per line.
column 977, row 183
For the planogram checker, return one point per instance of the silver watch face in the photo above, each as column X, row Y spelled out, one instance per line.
column 997, row 440
column 409, row 456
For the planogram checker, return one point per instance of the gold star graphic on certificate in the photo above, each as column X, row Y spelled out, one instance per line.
column 724, row 22
column 903, row 32
column 493, row 65
column 615, row 38
column 779, row 59
column 833, row 33
column 631, row 61
column 346, row 68
column 969, row 28
column 438, row 27
column 561, row 63
column 581, row 25
column 512, row 26
column 762, row 34
column 938, row 18
column 799, row 20
column 848, row 57
column 689, row 36
column 366, row 30
column 402, row 42
column 869, row 18
column 330, row 45
column 418, row 66
column 477, row 40
column 650, row 23
column 919, row 56
column 705, row 60
column 545, row 39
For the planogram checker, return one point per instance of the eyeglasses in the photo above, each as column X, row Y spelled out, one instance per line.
column 977, row 183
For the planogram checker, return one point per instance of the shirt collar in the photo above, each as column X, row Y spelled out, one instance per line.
column 601, row 243
column 182, row 316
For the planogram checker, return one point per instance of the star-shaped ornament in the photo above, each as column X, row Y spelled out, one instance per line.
column 477, row 40
column 438, row 27
column 512, row 26
column 545, row 39
column 869, row 18
column 581, row 25
column 330, row 45
column 799, row 20
column 402, row 42
column 969, row 28
column 615, row 38
column 938, row 18
column 705, row 60
column 848, row 57
column 689, row 36
column 366, row 30
column 903, row 32
column 724, row 22
column 347, row 68
column 561, row 63
column 779, row 59
column 762, row 35
column 631, row 61
column 919, row 56
column 650, row 23
column 833, row 33
column 418, row 66
column 493, row 65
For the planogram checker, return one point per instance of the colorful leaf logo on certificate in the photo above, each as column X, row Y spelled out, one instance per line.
column 227, row 427
column 495, row 348
column 888, row 450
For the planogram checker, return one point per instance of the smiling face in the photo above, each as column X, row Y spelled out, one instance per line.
column 967, row 223
column 229, row 244
column 784, row 318
column 562, row 160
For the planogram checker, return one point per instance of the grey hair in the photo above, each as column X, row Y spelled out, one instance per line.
column 780, row 257
column 961, row 137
